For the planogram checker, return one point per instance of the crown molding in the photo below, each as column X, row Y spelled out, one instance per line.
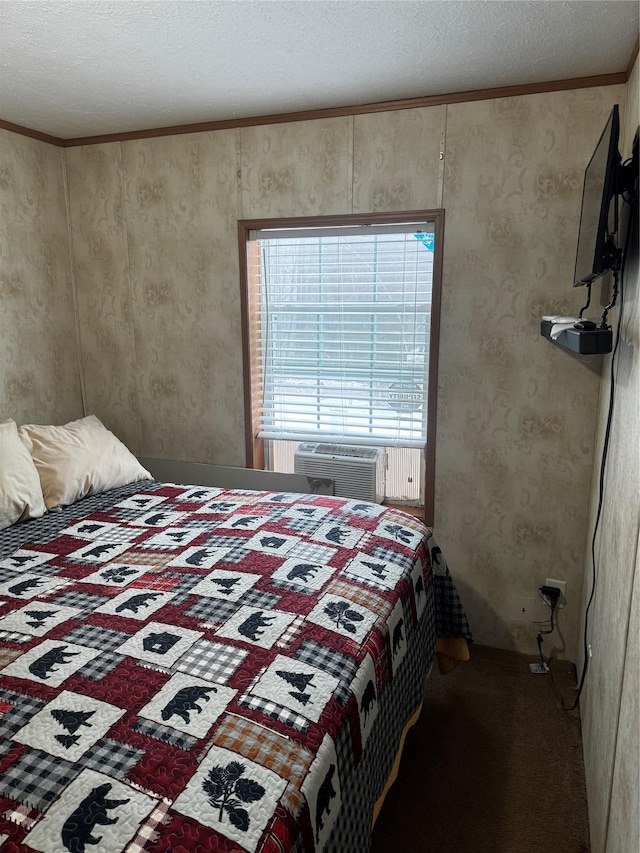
column 336, row 112
column 34, row 134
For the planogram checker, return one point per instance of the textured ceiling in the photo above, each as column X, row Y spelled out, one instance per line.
column 73, row 69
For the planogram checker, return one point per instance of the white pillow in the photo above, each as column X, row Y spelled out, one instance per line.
column 80, row 458
column 20, row 492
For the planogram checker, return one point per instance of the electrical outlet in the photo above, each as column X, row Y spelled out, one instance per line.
column 562, row 586
column 521, row 607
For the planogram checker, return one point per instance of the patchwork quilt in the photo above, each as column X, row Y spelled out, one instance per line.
column 198, row 669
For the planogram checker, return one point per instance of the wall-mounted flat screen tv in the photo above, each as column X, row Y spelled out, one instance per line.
column 595, row 244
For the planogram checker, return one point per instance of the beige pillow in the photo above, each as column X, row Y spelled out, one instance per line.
column 20, row 492
column 80, row 458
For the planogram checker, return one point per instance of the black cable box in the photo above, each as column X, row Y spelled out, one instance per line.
column 596, row 342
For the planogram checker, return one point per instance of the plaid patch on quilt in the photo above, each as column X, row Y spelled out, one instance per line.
column 210, row 669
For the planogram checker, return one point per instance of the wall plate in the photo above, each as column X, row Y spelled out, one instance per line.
column 539, row 668
column 562, row 586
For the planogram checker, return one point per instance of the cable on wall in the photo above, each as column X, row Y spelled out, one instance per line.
column 619, row 279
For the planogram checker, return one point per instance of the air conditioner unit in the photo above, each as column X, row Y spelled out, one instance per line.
column 358, row 472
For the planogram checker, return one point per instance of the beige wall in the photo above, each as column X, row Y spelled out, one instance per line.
column 156, row 262
column 39, row 372
column 153, row 225
column 611, row 701
column 516, row 414
column 154, row 235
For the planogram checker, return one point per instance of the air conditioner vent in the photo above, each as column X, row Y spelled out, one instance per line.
column 343, row 450
column 358, row 472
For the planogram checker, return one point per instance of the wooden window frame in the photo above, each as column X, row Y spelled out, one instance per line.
column 254, row 446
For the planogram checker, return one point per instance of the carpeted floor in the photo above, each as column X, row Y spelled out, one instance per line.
column 492, row 765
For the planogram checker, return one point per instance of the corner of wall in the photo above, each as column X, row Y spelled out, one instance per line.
column 74, row 286
column 609, row 706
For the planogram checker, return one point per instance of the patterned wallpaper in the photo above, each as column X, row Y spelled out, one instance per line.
column 104, row 293
column 397, row 164
column 154, row 233
column 155, row 255
column 156, row 262
column 516, row 415
column 610, row 704
column 39, row 367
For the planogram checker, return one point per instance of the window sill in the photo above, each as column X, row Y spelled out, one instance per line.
column 417, row 511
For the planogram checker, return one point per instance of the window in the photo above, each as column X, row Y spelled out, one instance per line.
column 341, row 320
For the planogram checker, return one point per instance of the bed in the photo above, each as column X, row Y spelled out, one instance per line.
column 188, row 668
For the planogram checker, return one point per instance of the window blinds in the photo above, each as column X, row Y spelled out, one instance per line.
column 342, row 333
